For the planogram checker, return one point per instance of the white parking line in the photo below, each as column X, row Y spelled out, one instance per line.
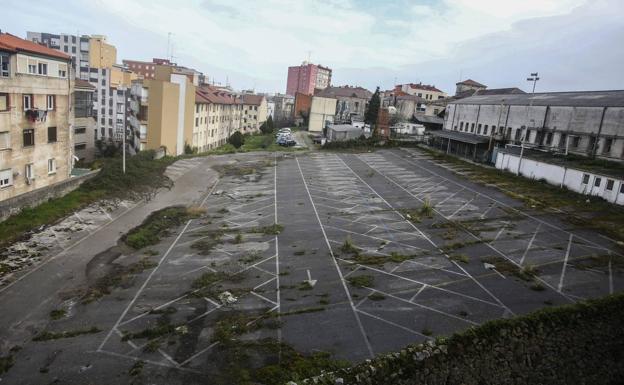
column 427, row 238
column 565, row 263
column 331, row 252
column 530, row 244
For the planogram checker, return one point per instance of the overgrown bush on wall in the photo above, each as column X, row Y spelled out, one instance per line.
column 574, row 344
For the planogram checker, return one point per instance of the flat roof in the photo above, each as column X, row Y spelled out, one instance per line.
column 344, row 127
column 613, row 98
column 596, row 166
column 461, row 136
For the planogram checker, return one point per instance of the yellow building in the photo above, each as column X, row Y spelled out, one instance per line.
column 171, row 106
column 35, row 136
column 101, row 54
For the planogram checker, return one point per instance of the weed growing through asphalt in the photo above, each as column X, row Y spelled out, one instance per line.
column 361, row 280
column 348, row 246
column 136, row 369
column 376, row 296
column 463, row 258
column 57, row 314
column 46, row 335
column 157, row 225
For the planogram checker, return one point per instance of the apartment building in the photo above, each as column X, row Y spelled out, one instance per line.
column 254, row 113
column 171, row 106
column 35, row 137
column 218, row 114
column 425, row 91
column 284, row 109
column 306, row 78
column 351, row 102
column 93, row 59
column 83, row 122
column 145, row 69
column 137, row 112
column 588, row 123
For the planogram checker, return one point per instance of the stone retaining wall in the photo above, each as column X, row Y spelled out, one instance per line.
column 33, row 198
column 576, row 344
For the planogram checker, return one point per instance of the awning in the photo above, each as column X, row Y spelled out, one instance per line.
column 460, row 136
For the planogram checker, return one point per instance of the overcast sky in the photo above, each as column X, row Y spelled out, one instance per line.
column 574, row 44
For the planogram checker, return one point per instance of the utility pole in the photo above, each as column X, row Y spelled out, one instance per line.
column 534, row 78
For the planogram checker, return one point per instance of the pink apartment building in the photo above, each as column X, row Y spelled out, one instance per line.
column 307, row 77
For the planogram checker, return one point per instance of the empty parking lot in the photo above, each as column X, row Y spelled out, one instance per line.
column 349, row 254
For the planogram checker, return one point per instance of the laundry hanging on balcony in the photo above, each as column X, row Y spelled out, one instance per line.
column 36, row 115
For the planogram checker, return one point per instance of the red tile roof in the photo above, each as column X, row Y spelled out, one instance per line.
column 425, row 87
column 211, row 95
column 17, row 44
column 470, row 82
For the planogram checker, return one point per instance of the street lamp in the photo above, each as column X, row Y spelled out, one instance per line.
column 534, row 78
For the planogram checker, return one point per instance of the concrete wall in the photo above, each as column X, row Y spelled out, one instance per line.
column 321, row 110
column 162, row 115
column 558, row 175
column 33, row 198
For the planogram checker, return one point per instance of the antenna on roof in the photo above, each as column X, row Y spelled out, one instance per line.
column 169, row 49
column 460, row 75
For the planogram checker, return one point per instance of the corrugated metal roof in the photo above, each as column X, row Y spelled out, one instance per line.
column 613, row 98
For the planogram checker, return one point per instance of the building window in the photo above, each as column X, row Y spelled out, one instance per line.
column 585, row 178
column 607, row 146
column 622, row 188
column 50, row 102
column 29, row 172
column 461, row 126
column 485, row 129
column 6, row 178
column 51, row 134
column 610, row 183
column 80, row 130
column 28, row 102
column 42, row 69
column 576, row 141
column 4, row 65
column 597, row 182
column 4, row 102
column 472, row 127
column 51, row 166
column 80, row 146
column 32, row 67
column 29, row 137
column 5, row 140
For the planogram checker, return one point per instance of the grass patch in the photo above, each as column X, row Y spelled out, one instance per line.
column 348, row 247
column 459, row 258
column 427, row 332
column 47, row 336
column 157, row 225
column 118, row 276
column 505, row 267
column 273, row 229
column 582, row 210
column 144, row 175
column 57, row 314
column 376, row 296
column 361, row 280
column 238, row 238
column 537, row 286
column 6, row 362
column 136, row 369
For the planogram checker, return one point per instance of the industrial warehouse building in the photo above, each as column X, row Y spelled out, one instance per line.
column 587, row 123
